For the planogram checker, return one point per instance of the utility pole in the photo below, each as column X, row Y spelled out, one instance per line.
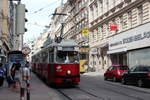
column 62, row 22
column 59, row 39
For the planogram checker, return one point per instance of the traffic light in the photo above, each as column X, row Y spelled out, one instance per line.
column 20, row 19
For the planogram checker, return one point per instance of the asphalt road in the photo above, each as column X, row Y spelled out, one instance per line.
column 93, row 87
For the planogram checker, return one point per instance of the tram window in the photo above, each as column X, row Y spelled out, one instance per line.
column 51, row 57
column 61, row 56
column 82, row 56
column 71, row 56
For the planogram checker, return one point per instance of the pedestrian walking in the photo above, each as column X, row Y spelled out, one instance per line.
column 16, row 75
column 2, row 74
column 9, row 77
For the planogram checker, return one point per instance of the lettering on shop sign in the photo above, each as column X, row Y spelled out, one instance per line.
column 132, row 39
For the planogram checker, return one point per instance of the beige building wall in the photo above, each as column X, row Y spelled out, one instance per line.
column 5, row 46
column 38, row 44
column 5, row 24
column 126, row 14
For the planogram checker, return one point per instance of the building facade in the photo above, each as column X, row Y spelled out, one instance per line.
column 126, row 43
column 131, row 47
column 7, row 27
column 76, row 23
column 70, row 23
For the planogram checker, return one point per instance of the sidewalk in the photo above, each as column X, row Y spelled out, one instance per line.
column 96, row 73
column 39, row 91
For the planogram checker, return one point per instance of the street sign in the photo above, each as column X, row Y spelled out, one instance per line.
column 113, row 27
column 85, row 31
column 26, row 50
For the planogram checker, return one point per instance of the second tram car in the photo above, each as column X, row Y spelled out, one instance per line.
column 58, row 62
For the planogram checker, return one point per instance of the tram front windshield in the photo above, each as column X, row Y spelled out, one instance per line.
column 67, row 57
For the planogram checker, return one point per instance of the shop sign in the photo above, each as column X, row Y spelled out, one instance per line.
column 132, row 39
column 94, row 51
column 85, row 31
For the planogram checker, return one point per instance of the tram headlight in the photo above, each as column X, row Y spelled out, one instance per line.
column 68, row 72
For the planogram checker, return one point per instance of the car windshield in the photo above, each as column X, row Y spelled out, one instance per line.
column 148, row 68
column 123, row 68
column 145, row 69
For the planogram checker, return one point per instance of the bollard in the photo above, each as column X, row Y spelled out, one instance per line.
column 26, row 78
column 25, row 84
column 22, row 89
column 28, row 90
column 22, row 93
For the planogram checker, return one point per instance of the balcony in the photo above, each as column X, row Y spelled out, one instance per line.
column 120, row 4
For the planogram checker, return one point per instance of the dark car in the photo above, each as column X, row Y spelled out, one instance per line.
column 115, row 72
column 138, row 75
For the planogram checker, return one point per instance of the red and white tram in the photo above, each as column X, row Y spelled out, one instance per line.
column 58, row 62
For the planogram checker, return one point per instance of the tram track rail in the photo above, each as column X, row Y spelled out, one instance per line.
column 84, row 91
column 120, row 92
column 87, row 92
column 124, row 94
column 65, row 95
column 101, row 98
column 127, row 86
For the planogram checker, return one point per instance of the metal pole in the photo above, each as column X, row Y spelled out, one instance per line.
column 62, row 29
column 62, row 23
column 22, row 89
column 28, row 90
column 22, row 92
column 21, row 41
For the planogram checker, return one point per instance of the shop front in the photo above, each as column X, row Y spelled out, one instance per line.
column 131, row 47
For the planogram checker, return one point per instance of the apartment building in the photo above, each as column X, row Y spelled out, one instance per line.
column 129, row 42
column 69, row 20
column 39, row 42
column 76, row 22
column 0, row 21
column 5, row 26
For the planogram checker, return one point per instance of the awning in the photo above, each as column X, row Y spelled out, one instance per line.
column 119, row 50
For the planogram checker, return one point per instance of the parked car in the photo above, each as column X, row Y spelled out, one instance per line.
column 138, row 75
column 115, row 72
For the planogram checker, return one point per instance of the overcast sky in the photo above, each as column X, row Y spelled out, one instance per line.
column 38, row 16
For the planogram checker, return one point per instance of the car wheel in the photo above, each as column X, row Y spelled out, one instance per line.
column 114, row 79
column 140, row 83
column 123, row 81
